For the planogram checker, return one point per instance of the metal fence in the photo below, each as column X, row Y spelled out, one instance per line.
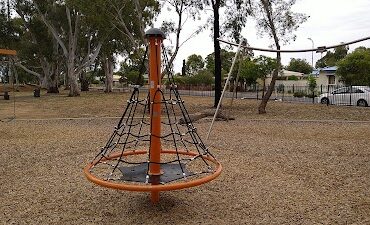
column 336, row 94
column 324, row 94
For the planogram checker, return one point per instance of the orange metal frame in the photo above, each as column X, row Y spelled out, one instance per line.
column 155, row 109
column 7, row 52
column 151, row 188
column 155, row 150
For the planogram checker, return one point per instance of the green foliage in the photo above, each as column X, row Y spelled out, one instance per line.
column 312, row 84
column 265, row 64
column 299, row 94
column 132, row 68
column 226, row 61
column 132, row 77
column 299, row 65
column 203, row 77
column 293, row 77
column 194, row 64
column 236, row 14
column 250, row 71
column 354, row 69
column 6, row 30
column 332, row 58
column 276, row 20
column 260, row 67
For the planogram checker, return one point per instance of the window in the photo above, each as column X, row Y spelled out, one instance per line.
column 341, row 91
column 357, row 91
column 331, row 79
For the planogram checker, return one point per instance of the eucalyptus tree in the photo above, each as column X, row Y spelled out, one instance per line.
column 184, row 9
column 194, row 64
column 121, row 25
column 354, row 69
column 37, row 47
column 266, row 65
column 332, row 58
column 299, row 65
column 229, row 17
column 66, row 25
column 276, row 20
column 8, row 36
column 226, row 58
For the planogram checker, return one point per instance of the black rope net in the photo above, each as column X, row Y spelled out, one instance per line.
column 132, row 133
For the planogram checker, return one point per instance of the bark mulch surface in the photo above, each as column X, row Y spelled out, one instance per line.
column 298, row 164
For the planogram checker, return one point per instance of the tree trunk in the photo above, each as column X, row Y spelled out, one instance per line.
column 54, row 86
column 108, row 70
column 55, row 70
column 54, row 80
column 66, row 82
column 84, row 81
column 266, row 97
column 72, row 78
column 216, row 34
column 51, row 75
column 44, row 83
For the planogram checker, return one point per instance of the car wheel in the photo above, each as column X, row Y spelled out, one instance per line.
column 325, row 101
column 362, row 103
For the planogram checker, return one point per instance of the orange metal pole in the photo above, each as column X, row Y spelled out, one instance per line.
column 155, row 112
column 7, row 52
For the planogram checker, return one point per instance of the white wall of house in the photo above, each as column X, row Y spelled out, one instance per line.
column 292, row 82
column 328, row 79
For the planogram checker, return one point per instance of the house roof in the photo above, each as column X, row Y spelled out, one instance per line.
column 329, row 68
column 288, row 73
column 315, row 72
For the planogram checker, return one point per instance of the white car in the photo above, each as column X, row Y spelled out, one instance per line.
column 355, row 95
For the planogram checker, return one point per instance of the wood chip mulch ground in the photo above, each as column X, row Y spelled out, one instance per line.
column 280, row 171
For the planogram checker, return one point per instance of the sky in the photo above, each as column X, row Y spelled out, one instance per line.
column 330, row 22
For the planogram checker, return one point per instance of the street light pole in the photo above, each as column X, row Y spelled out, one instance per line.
column 313, row 46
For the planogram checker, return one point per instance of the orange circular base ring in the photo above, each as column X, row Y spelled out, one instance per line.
column 151, row 188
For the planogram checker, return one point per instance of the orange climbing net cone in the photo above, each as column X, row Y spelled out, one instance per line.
column 150, row 150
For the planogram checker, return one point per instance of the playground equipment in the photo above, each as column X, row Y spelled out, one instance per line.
column 151, row 151
column 246, row 46
column 7, row 53
column 8, row 60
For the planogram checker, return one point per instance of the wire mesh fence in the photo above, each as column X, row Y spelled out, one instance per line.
column 321, row 94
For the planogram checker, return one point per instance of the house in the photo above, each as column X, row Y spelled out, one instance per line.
column 315, row 73
column 327, row 76
column 287, row 78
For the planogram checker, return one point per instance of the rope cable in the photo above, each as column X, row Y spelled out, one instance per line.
column 318, row 49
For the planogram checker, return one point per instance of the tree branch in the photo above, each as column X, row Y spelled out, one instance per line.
column 140, row 19
column 89, row 59
column 28, row 70
column 53, row 31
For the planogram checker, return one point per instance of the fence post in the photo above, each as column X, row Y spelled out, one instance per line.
column 313, row 96
column 350, row 95
column 293, row 89
column 257, row 90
